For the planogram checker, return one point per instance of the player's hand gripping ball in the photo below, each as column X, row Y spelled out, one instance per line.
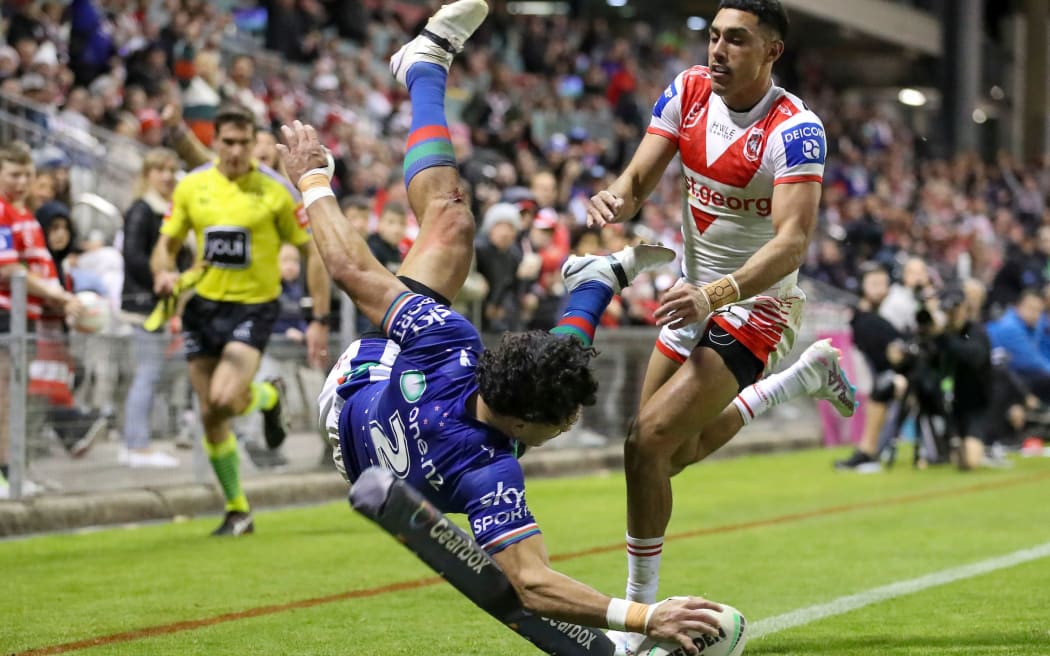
column 732, row 635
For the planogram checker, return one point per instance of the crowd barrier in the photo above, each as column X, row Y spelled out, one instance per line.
column 104, row 368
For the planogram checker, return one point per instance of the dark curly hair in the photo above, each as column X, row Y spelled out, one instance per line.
column 537, row 376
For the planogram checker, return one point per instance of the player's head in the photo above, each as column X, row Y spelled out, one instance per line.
column 16, row 169
column 234, row 139
column 747, row 36
column 538, row 382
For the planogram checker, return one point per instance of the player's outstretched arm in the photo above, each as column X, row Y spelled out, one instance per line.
column 624, row 198
column 347, row 257
column 551, row 594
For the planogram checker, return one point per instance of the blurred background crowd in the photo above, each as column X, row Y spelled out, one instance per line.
column 544, row 110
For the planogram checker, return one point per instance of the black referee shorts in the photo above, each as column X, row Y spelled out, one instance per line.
column 208, row 326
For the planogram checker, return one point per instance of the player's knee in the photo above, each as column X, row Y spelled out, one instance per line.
column 222, row 404
column 454, row 219
column 651, row 435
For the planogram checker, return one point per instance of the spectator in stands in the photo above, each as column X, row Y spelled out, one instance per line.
column 239, row 88
column 873, row 334
column 22, row 248
column 356, row 209
column 1016, row 332
column 53, row 162
column 498, row 259
column 541, row 281
column 1024, row 266
column 293, row 30
column 385, row 244
column 150, row 351
column 200, row 99
column 906, row 298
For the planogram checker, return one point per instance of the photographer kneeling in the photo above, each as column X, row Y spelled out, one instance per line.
column 965, row 365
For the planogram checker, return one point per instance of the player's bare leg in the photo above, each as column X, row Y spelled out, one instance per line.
column 662, row 426
column 441, row 256
column 223, row 386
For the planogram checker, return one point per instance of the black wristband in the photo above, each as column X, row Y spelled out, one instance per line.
column 320, row 318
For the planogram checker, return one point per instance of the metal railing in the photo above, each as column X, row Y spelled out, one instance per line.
column 102, row 162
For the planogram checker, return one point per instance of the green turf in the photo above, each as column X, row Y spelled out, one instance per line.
column 67, row 588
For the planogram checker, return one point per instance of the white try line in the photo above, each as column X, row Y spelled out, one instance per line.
column 842, row 605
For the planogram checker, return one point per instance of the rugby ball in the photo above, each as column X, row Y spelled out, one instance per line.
column 732, row 635
column 95, row 316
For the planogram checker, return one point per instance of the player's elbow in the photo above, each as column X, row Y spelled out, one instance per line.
column 793, row 250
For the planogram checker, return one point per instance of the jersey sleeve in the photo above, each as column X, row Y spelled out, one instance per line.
column 667, row 111
column 8, row 248
column 429, row 332
column 177, row 222
column 797, row 150
column 494, row 498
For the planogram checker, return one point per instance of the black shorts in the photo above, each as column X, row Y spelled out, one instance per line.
column 5, row 322
column 208, row 326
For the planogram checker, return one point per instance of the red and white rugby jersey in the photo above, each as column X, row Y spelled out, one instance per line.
column 730, row 162
column 22, row 241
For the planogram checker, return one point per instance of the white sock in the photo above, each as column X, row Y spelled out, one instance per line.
column 769, row 393
column 643, row 568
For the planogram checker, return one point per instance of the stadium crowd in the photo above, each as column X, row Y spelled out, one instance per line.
column 544, row 112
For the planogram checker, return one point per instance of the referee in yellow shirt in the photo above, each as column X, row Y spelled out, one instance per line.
column 240, row 212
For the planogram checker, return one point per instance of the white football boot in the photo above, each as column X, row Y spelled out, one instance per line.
column 617, row 270
column 823, row 377
column 443, row 37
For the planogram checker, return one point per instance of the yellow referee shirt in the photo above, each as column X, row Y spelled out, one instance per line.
column 240, row 226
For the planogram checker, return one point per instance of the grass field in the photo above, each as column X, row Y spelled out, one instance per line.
column 767, row 534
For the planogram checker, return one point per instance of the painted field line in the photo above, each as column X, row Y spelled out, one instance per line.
column 260, row 611
column 811, row 614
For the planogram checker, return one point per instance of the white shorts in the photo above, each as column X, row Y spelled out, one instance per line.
column 766, row 325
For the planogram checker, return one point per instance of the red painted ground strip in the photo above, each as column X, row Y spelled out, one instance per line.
column 190, row 625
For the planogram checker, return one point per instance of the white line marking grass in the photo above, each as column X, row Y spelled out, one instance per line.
column 810, row 614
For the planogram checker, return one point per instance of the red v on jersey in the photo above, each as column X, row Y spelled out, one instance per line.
column 737, row 165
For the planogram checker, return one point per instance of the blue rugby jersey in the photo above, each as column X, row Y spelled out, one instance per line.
column 400, row 403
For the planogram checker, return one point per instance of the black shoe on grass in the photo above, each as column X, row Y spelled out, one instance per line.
column 235, row 523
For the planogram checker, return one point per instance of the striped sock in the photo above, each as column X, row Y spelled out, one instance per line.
column 770, row 392
column 586, row 305
column 429, row 143
column 643, row 568
column 227, row 464
column 264, row 397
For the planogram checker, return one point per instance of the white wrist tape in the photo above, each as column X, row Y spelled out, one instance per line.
column 310, row 196
column 616, row 614
column 736, row 287
column 623, row 615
